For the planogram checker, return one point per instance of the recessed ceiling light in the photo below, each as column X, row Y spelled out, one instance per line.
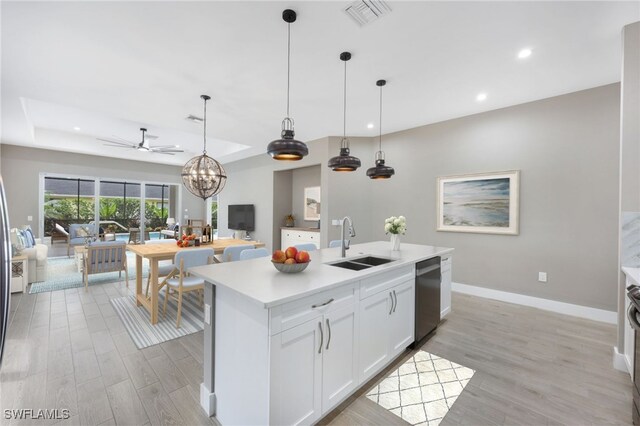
column 481, row 97
column 76, row 128
column 524, row 53
column 177, row 146
column 370, row 126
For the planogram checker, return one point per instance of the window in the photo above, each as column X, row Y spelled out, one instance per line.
column 119, row 206
column 67, row 201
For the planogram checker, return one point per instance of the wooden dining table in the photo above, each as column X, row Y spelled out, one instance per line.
column 165, row 251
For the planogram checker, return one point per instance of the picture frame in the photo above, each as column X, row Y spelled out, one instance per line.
column 312, row 203
column 486, row 203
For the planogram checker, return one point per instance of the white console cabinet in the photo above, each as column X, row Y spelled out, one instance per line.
column 292, row 236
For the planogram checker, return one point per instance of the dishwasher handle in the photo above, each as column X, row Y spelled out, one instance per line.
column 426, row 270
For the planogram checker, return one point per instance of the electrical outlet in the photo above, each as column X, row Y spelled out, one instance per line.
column 542, row 277
column 207, row 313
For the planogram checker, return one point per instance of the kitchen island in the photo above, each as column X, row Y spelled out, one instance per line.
column 287, row 348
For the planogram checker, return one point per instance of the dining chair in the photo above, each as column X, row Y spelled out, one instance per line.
column 306, row 247
column 255, row 253
column 163, row 269
column 179, row 282
column 232, row 253
column 103, row 257
column 335, row 243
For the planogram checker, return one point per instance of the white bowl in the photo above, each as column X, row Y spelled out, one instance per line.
column 290, row 268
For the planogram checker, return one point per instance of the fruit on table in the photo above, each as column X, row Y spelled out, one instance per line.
column 290, row 261
column 302, row 257
column 291, row 252
column 279, row 256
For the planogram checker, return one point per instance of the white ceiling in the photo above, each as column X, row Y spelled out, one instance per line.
column 112, row 67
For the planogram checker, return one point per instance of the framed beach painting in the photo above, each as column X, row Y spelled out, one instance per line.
column 312, row 203
column 485, row 203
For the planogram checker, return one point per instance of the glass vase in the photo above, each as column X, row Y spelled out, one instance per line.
column 395, row 242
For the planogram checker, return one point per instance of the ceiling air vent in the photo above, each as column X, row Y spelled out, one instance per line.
column 367, row 11
column 194, row 118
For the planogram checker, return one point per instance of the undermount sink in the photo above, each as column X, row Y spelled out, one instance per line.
column 372, row 260
column 362, row 263
column 351, row 265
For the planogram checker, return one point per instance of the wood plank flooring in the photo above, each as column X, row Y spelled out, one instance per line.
column 68, row 349
column 533, row 367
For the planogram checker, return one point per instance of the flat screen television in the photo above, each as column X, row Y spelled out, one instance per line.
column 241, row 217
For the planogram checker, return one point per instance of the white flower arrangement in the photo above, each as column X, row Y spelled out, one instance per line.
column 395, row 225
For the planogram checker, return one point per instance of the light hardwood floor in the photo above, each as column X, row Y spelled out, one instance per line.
column 533, row 367
column 68, row 349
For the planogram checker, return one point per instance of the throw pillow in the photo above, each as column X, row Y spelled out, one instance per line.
column 26, row 242
column 81, row 232
column 29, row 235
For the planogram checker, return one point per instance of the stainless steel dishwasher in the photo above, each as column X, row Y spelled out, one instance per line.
column 427, row 298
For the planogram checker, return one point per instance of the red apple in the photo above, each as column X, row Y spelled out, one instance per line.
column 290, row 261
column 302, row 257
column 291, row 252
column 279, row 256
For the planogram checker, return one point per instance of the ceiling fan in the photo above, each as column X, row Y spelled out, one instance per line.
column 143, row 145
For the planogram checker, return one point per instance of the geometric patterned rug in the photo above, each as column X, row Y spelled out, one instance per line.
column 423, row 389
column 62, row 273
column 137, row 320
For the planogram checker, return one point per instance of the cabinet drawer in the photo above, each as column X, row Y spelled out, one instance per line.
column 294, row 313
column 386, row 280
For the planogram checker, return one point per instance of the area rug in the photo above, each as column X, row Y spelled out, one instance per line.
column 423, row 389
column 62, row 273
column 137, row 320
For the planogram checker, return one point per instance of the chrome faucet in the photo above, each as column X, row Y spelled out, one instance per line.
column 352, row 233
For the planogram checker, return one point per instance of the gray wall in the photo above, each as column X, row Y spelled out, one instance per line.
column 566, row 148
column 21, row 168
column 629, row 163
column 300, row 179
column 282, row 201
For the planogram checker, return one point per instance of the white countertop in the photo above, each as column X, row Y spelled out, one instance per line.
column 258, row 280
column 632, row 273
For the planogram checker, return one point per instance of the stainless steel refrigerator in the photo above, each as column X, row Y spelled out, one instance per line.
column 5, row 269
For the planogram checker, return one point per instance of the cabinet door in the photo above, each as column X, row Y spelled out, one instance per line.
column 445, row 287
column 402, row 320
column 296, row 374
column 339, row 370
column 287, row 239
column 373, row 337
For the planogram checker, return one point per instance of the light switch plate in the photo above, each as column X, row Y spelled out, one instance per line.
column 29, row 218
column 335, row 222
column 207, row 313
column 542, row 277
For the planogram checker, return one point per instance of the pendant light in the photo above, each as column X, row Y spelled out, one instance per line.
column 287, row 148
column 203, row 176
column 344, row 162
column 380, row 170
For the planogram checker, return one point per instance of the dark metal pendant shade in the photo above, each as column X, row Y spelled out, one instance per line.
column 287, row 148
column 203, row 176
column 345, row 162
column 380, row 170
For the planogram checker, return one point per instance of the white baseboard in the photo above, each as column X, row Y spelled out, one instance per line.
column 621, row 362
column 444, row 312
column 207, row 400
column 595, row 314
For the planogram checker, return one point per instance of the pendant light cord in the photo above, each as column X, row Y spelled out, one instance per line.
column 344, row 115
column 204, row 151
column 380, row 137
column 288, row 63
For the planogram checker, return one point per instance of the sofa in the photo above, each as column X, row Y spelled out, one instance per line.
column 36, row 253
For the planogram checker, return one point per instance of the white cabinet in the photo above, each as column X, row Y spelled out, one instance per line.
column 445, row 286
column 296, row 374
column 386, row 327
column 291, row 237
column 339, row 367
column 313, row 366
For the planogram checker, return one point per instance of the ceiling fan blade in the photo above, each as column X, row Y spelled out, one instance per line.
column 166, row 150
column 162, row 152
column 162, row 146
column 148, row 136
column 129, row 144
column 119, row 146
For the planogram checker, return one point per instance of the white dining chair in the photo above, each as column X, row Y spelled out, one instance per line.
column 335, row 243
column 306, row 247
column 253, row 253
column 232, row 253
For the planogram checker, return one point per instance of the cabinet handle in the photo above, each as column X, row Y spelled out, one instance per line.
column 322, row 304
column 321, row 336
column 391, row 296
column 329, row 337
column 395, row 305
